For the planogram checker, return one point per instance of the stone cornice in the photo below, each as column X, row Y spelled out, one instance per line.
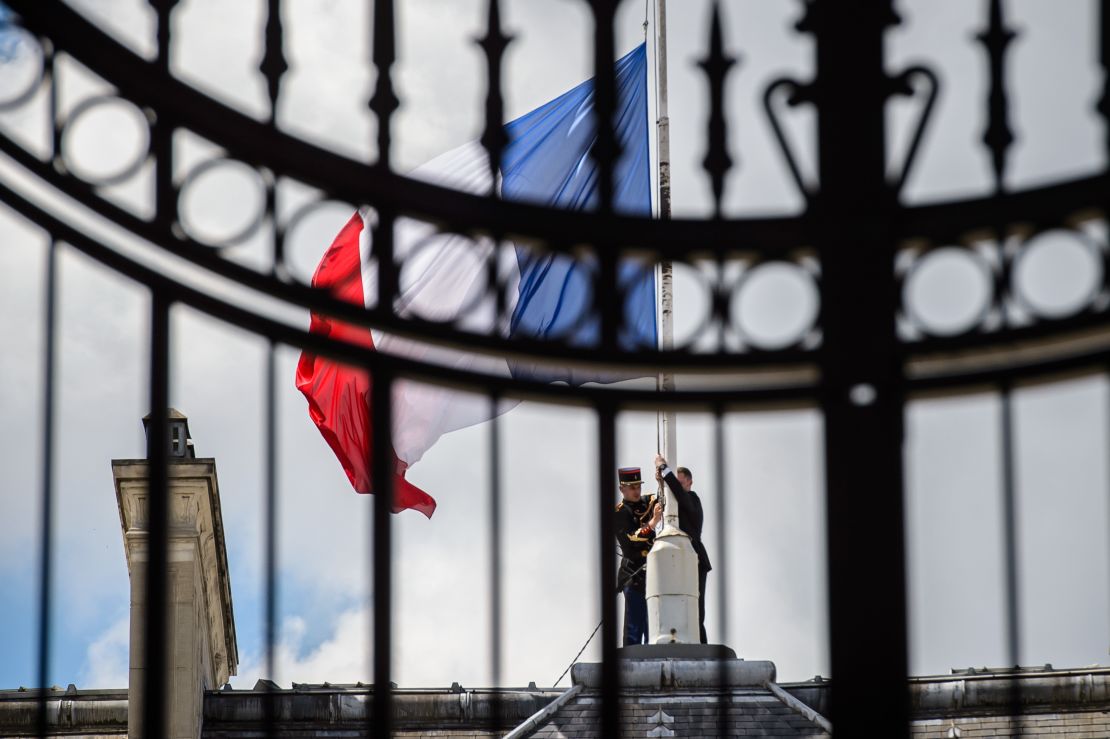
column 990, row 692
column 195, row 516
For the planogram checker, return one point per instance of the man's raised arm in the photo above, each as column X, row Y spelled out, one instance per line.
column 666, row 474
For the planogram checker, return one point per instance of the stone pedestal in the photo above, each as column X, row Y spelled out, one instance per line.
column 658, row 672
column 677, row 651
column 201, row 650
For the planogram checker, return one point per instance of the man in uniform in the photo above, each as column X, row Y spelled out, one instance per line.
column 634, row 523
column 690, row 520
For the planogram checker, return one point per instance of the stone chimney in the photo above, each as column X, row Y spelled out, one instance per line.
column 201, row 651
column 181, row 441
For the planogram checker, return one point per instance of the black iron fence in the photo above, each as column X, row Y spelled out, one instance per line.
column 867, row 352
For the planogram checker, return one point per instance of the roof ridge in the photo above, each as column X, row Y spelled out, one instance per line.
column 799, row 707
column 542, row 716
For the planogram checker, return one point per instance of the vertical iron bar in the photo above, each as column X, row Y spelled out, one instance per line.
column 165, row 194
column 1103, row 106
column 610, row 672
column 717, row 162
column 273, row 66
column 494, row 137
column 154, row 637
column 270, row 522
column 720, row 580
column 862, row 389
column 277, row 263
column 716, row 66
column 384, row 103
column 381, row 426
column 1010, row 548
column 45, row 553
column 998, row 135
column 163, row 9
column 50, row 79
column 495, row 561
column 605, row 152
column 382, row 249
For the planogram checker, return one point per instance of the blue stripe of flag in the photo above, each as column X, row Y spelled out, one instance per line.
column 548, row 161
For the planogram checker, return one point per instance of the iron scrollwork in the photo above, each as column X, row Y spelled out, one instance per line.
column 165, row 108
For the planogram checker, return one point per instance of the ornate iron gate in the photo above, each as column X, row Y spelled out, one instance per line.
column 863, row 358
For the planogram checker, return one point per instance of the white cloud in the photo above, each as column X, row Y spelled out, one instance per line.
column 342, row 657
column 106, row 658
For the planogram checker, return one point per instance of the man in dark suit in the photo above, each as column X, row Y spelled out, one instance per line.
column 634, row 522
column 690, row 520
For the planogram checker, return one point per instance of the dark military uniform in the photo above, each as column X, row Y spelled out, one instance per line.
column 629, row 520
column 635, row 538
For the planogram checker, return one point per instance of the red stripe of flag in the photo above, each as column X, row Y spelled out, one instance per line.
column 339, row 395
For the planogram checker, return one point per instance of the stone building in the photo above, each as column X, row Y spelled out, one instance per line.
column 678, row 691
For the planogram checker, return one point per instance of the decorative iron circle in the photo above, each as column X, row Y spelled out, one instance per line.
column 86, row 113
column 1052, row 253
column 629, row 270
column 241, row 230
column 12, row 49
column 774, row 305
column 472, row 253
column 588, row 276
column 298, row 264
column 965, row 279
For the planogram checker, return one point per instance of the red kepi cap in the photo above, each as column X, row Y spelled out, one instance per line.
column 629, row 476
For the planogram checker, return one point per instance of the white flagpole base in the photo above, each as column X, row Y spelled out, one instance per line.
column 672, row 590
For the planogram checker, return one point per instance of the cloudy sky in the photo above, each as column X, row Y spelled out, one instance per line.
column 774, row 553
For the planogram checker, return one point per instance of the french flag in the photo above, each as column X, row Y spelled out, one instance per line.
column 547, row 161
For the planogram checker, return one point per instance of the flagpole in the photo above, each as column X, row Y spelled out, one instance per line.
column 666, row 281
column 672, row 565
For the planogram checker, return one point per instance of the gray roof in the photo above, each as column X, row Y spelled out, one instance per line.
column 743, row 712
column 696, row 693
column 666, row 702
